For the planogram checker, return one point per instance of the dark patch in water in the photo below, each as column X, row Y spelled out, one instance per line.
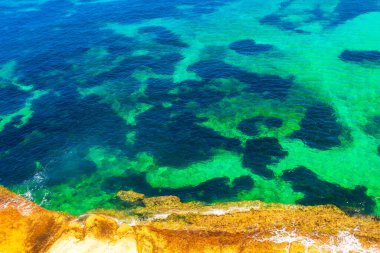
column 319, row 192
column 11, row 99
column 243, row 183
column 317, row 14
column 163, row 36
column 278, row 21
column 378, row 150
column 211, row 69
column 268, row 86
column 209, row 191
column 126, row 67
column 360, row 56
column 373, row 126
column 178, row 140
column 189, row 91
column 250, row 126
column 259, row 153
column 273, row 122
column 349, row 9
column 285, row 4
column 164, row 65
column 319, row 128
column 60, row 124
column 249, row 47
column 201, row 93
column 205, row 7
column 69, row 165
column 117, row 44
column 157, row 90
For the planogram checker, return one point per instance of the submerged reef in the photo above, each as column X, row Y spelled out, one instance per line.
column 319, row 128
column 360, row 56
column 164, row 224
column 164, row 135
column 250, row 126
column 211, row 190
column 318, row 192
column 12, row 99
column 349, row 9
column 249, row 47
column 259, row 153
column 163, row 36
column 268, row 86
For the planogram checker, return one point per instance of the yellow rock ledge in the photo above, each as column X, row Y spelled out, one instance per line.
column 165, row 224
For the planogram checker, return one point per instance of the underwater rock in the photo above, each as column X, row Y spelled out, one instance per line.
column 259, row 153
column 215, row 189
column 60, row 121
column 200, row 92
column 280, row 22
column 12, row 99
column 349, row 9
column 207, row 7
column 178, row 140
column 130, row 196
column 157, row 91
column 360, row 56
column 249, row 47
column 250, row 126
column 243, row 183
column 268, row 86
column 319, row 128
column 166, row 64
column 189, row 91
column 162, row 201
column 272, row 122
column 319, row 192
column 26, row 227
column 163, row 35
column 211, row 69
column 163, row 65
column 373, row 126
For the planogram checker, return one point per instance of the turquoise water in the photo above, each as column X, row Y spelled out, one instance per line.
column 208, row 100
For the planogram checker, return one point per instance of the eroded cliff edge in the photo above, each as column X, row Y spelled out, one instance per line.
column 164, row 224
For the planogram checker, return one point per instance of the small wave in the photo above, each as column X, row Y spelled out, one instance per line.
column 344, row 242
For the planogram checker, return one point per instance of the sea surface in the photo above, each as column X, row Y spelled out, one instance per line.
column 213, row 100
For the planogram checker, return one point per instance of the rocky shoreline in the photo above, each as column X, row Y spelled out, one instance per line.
column 164, row 224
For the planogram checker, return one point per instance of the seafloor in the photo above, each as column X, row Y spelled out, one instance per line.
column 209, row 100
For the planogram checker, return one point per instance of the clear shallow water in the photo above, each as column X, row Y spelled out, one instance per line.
column 207, row 100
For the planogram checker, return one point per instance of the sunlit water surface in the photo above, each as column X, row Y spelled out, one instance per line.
column 209, row 100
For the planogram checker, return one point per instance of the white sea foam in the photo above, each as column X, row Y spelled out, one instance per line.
column 229, row 210
column 344, row 242
column 28, row 195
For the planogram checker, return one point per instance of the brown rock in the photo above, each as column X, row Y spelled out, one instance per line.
column 26, row 227
column 162, row 201
column 130, row 196
column 242, row 227
column 100, row 227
